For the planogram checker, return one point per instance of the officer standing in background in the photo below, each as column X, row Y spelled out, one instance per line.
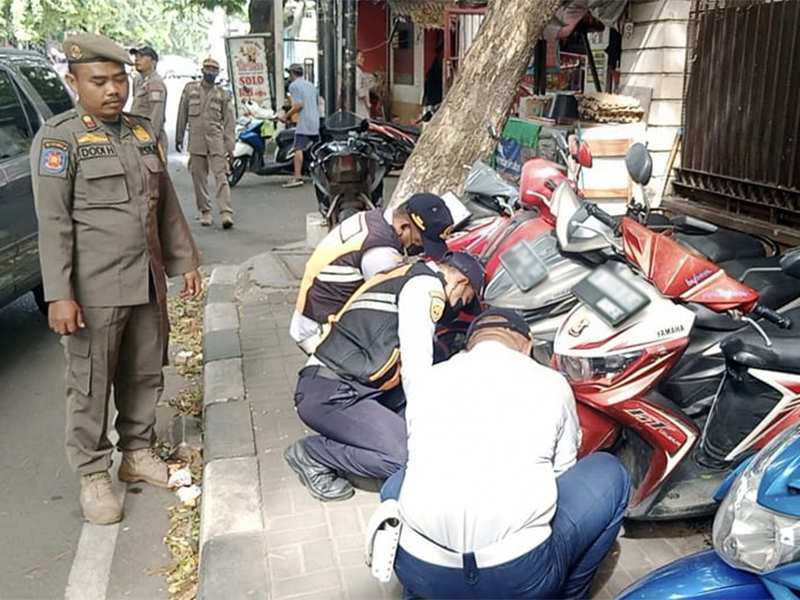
column 149, row 92
column 208, row 111
column 110, row 232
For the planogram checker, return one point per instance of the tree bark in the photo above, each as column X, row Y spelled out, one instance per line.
column 481, row 95
column 260, row 15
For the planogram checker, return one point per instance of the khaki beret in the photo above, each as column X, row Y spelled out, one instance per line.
column 91, row 47
column 210, row 62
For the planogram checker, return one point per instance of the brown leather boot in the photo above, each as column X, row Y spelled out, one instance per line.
column 99, row 504
column 143, row 465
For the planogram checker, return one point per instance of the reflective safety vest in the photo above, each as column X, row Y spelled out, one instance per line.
column 361, row 342
column 333, row 273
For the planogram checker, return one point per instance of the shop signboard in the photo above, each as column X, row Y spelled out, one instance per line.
column 251, row 75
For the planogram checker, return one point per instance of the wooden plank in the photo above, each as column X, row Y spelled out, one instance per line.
column 602, row 148
column 605, row 193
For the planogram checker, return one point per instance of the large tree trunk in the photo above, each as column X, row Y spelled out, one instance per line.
column 261, row 21
column 481, row 95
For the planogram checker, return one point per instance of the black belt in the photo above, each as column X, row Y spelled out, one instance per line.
column 320, row 371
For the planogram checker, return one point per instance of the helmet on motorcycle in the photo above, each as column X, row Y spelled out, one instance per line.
column 536, row 184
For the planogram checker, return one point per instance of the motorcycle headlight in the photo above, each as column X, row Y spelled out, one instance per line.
column 590, row 368
column 747, row 535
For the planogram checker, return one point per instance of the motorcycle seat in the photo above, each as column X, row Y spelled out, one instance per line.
column 775, row 288
column 407, row 128
column 723, row 244
column 748, row 348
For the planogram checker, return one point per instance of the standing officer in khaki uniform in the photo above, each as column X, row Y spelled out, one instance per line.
column 208, row 111
column 110, row 232
column 149, row 92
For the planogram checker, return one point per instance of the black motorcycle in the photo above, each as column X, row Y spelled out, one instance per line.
column 346, row 169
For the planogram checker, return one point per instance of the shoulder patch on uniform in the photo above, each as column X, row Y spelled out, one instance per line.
column 53, row 158
column 437, row 305
column 156, row 95
column 141, row 133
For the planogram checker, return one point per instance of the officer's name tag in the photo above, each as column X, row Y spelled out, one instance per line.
column 148, row 149
column 95, row 150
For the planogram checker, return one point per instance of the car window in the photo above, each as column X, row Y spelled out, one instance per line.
column 33, row 116
column 48, row 85
column 15, row 133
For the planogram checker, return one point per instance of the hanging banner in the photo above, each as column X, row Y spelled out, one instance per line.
column 250, row 74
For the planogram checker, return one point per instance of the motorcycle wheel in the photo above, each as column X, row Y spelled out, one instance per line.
column 235, row 173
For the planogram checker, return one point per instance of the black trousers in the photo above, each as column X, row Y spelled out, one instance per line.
column 362, row 429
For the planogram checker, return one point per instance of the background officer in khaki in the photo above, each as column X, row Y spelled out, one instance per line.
column 149, row 92
column 110, row 231
column 208, row 111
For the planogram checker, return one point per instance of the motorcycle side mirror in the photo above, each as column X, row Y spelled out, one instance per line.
column 639, row 163
column 363, row 126
column 584, row 155
column 790, row 262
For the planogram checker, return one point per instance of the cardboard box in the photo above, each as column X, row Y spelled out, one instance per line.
column 531, row 107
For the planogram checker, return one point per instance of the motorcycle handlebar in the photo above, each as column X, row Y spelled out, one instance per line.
column 772, row 316
column 602, row 216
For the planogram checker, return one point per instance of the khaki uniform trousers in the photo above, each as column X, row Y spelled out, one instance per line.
column 198, row 167
column 124, row 347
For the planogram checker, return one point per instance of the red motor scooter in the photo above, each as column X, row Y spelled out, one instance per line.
column 634, row 322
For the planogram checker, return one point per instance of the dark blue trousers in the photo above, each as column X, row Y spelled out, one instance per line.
column 362, row 430
column 592, row 498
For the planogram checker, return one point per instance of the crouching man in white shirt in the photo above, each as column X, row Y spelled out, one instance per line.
column 492, row 501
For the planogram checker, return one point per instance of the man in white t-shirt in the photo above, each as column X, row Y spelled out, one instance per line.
column 493, row 502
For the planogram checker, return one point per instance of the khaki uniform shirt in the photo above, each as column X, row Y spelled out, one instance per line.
column 209, row 114
column 150, row 100
column 110, row 225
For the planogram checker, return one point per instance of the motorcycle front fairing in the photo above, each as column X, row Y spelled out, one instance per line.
column 700, row 576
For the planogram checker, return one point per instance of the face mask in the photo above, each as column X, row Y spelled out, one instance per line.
column 414, row 250
column 209, row 77
column 451, row 312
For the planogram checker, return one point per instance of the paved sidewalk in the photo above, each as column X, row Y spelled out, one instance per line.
column 262, row 534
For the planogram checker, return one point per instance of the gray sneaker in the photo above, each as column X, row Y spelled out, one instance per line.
column 100, row 505
column 143, row 465
column 321, row 481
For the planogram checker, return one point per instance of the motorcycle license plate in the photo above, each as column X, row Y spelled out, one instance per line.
column 526, row 268
column 609, row 296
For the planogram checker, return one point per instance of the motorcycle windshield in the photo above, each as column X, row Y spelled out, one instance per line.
column 679, row 273
column 485, row 181
column 342, row 121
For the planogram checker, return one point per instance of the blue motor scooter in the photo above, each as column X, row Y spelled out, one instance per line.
column 756, row 536
column 254, row 132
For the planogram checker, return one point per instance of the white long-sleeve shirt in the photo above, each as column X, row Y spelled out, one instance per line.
column 488, row 432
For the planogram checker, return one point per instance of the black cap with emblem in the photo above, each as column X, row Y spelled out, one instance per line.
column 504, row 318
column 92, row 47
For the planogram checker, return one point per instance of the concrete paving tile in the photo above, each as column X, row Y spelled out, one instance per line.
column 345, row 543
column 295, row 521
column 352, row 558
column 344, row 520
column 318, row 556
column 359, row 584
column 302, row 501
column 285, row 562
column 305, row 584
column 334, row 593
column 287, row 482
column 297, row 536
column 277, row 504
column 657, row 552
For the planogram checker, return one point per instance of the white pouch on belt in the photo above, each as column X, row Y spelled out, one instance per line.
column 382, row 537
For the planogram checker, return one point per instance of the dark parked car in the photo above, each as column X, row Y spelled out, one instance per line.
column 30, row 92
